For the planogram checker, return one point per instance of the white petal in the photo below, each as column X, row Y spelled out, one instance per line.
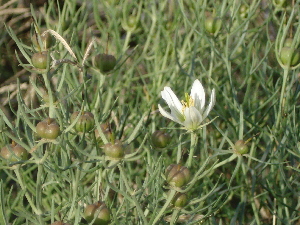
column 168, row 115
column 193, row 118
column 198, row 94
column 211, row 104
column 171, row 99
column 173, row 102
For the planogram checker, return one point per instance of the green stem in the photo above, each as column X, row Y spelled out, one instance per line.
column 248, row 184
column 175, row 215
column 99, row 176
column 42, row 160
column 127, row 39
column 179, row 150
column 39, row 192
column 194, row 140
column 75, row 190
column 231, row 158
column 23, row 187
column 151, row 31
column 137, row 204
column 163, row 209
column 50, row 95
column 283, row 91
column 211, row 63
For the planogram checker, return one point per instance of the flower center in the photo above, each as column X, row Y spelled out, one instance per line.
column 189, row 102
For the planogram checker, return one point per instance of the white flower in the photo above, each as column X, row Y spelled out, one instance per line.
column 191, row 112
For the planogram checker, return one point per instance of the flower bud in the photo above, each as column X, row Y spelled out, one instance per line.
column 179, row 200
column 177, row 175
column 47, row 41
column 114, row 150
column 97, row 211
column 244, row 9
column 104, row 62
column 131, row 23
column 160, row 139
column 241, row 147
column 289, row 56
column 213, row 24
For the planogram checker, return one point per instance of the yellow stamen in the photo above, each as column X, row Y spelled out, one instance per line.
column 189, row 101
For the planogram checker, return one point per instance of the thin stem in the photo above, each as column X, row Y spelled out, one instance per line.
column 42, row 160
column 151, row 32
column 211, row 63
column 283, row 91
column 23, row 187
column 137, row 204
column 194, row 140
column 39, row 192
column 163, row 209
column 38, row 189
column 179, row 151
column 50, row 95
column 231, row 158
column 127, row 39
column 175, row 215
column 248, row 184
column 75, row 190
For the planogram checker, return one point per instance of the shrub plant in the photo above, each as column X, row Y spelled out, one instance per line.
column 149, row 112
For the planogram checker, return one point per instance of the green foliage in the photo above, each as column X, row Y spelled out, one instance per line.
column 150, row 44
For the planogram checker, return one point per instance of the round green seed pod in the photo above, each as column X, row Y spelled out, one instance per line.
column 288, row 56
column 114, row 150
column 85, row 122
column 177, row 175
column 161, row 139
column 241, row 147
column 39, row 60
column 105, row 63
column 48, row 129
column 14, row 153
column 180, row 200
column 98, row 210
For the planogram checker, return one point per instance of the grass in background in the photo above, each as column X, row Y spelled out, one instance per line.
column 234, row 47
